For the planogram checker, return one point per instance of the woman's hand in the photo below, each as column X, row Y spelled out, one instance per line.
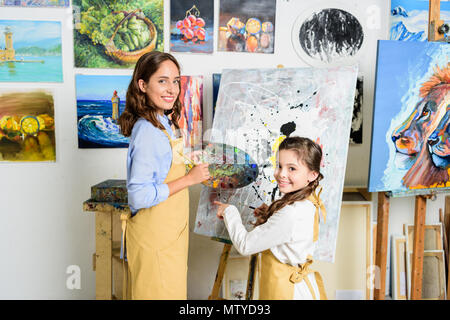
column 199, row 173
column 221, row 208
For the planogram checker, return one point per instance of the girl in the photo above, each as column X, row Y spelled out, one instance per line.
column 287, row 230
column 156, row 233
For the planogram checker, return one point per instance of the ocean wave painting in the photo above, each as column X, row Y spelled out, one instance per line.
column 409, row 19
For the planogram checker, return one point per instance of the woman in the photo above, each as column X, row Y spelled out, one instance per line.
column 156, row 232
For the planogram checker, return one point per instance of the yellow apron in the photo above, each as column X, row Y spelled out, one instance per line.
column 156, row 242
column 278, row 279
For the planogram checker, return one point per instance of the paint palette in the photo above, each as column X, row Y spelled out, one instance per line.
column 229, row 167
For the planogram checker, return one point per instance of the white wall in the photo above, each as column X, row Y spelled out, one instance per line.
column 44, row 229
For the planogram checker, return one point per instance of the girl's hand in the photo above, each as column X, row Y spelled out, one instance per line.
column 221, row 208
column 199, row 173
column 261, row 210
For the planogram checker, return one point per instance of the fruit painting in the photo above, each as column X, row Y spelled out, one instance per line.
column 115, row 34
column 247, row 26
column 191, row 26
column 27, row 126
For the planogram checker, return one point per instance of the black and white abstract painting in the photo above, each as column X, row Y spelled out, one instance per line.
column 328, row 36
column 357, row 119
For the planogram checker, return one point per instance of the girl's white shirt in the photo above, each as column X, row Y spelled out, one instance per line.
column 288, row 233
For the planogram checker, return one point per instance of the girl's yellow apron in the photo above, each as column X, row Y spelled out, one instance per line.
column 278, row 279
column 156, row 242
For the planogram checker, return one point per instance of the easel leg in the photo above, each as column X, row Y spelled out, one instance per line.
column 220, row 272
column 103, row 255
column 418, row 247
column 381, row 247
column 251, row 277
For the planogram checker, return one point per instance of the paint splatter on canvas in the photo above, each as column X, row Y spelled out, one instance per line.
column 191, row 26
column 410, row 146
column 115, row 34
column 27, row 126
column 409, row 19
column 255, row 110
column 328, row 35
column 247, row 26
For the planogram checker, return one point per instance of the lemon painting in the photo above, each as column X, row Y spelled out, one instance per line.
column 27, row 126
column 115, row 34
column 247, row 26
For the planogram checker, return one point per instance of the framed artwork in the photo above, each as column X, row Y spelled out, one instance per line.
column 410, row 147
column 27, row 125
column 433, row 276
column 115, row 34
column 246, row 26
column 101, row 100
column 399, row 268
column 328, row 34
column 432, row 236
column 192, row 26
column 409, row 19
column 30, row 51
column 256, row 109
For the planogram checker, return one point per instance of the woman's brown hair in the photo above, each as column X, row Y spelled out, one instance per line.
column 310, row 154
column 137, row 104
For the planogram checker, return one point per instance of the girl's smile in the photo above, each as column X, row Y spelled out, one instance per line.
column 292, row 174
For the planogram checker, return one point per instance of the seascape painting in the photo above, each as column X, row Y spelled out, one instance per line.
column 101, row 101
column 27, row 125
column 255, row 110
column 409, row 19
column 192, row 26
column 35, row 3
column 30, row 51
column 247, row 26
column 410, row 140
column 115, row 34
column 327, row 36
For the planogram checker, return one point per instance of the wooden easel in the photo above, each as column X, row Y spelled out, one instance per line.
column 434, row 24
column 221, row 271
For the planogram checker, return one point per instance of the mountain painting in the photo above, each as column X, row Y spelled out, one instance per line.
column 30, row 51
column 409, row 19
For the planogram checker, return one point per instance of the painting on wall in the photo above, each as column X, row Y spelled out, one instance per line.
column 114, row 34
column 410, row 139
column 409, row 19
column 191, row 120
column 101, row 101
column 35, row 3
column 192, row 26
column 30, row 51
column 357, row 119
column 328, row 36
column 27, row 125
column 247, row 26
column 256, row 109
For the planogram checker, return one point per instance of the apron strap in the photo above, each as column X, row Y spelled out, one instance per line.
column 301, row 273
column 317, row 202
column 124, row 217
column 167, row 134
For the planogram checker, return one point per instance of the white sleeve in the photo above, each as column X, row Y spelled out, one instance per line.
column 277, row 230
